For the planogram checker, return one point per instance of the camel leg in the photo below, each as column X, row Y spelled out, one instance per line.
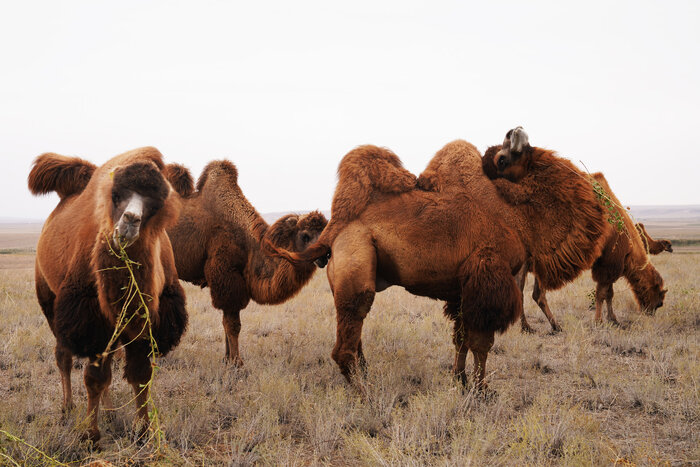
column 361, row 357
column 520, row 281
column 138, row 372
column 352, row 272
column 459, row 338
column 229, row 294
column 64, row 361
column 609, row 305
column 97, row 377
column 480, row 343
column 540, row 296
column 232, row 328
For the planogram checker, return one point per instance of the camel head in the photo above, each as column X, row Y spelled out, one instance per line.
column 138, row 194
column 666, row 245
column 296, row 233
column 512, row 159
column 648, row 288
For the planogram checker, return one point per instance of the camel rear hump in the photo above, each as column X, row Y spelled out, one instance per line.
column 65, row 175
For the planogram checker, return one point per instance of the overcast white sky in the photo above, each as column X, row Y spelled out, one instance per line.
column 285, row 89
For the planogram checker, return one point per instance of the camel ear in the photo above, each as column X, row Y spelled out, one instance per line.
column 516, row 140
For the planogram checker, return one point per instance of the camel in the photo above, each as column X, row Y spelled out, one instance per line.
column 624, row 252
column 217, row 243
column 655, row 247
column 80, row 281
column 448, row 235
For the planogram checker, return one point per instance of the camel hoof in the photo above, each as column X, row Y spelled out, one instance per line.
column 461, row 377
column 527, row 329
column 236, row 361
column 556, row 329
column 92, row 435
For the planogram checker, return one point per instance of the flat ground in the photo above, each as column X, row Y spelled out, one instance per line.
column 589, row 395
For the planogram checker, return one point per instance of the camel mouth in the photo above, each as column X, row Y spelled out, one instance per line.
column 123, row 241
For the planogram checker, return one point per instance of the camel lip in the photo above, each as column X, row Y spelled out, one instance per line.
column 119, row 240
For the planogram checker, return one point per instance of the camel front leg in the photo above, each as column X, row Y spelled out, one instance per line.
column 138, row 372
column 232, row 328
column 97, row 377
column 480, row 343
column 609, row 305
column 540, row 296
column 459, row 338
column 64, row 362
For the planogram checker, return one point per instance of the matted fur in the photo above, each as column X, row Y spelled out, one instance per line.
column 64, row 175
column 625, row 255
column 455, row 239
column 75, row 267
column 180, row 179
column 218, row 243
column 561, row 213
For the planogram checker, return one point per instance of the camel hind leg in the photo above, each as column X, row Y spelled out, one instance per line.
column 604, row 294
column 352, row 272
column 64, row 357
column 540, row 297
column 229, row 294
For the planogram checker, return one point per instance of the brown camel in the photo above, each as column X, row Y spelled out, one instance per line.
column 458, row 241
column 217, row 243
column 655, row 247
column 80, row 282
column 623, row 253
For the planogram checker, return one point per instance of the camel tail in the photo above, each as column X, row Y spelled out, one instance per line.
column 65, row 175
column 180, row 178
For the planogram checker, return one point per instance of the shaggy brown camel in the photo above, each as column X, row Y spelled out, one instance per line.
column 655, row 247
column 217, row 243
column 623, row 254
column 458, row 242
column 80, row 283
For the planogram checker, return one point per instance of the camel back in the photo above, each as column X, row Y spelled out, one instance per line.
column 616, row 212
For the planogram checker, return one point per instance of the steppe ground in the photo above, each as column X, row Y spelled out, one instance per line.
column 593, row 394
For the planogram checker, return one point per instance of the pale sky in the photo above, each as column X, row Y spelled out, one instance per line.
column 285, row 89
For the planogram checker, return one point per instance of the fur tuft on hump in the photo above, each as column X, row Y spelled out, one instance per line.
column 455, row 165
column 363, row 174
column 65, row 175
column 180, row 178
column 222, row 168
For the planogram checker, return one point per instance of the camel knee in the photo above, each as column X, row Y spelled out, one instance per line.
column 97, row 377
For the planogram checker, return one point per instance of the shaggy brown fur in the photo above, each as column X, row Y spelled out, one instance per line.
column 654, row 247
column 623, row 254
column 64, row 175
column 77, row 285
column 359, row 183
column 459, row 242
column 217, row 242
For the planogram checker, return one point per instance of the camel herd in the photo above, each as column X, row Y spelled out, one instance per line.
column 466, row 231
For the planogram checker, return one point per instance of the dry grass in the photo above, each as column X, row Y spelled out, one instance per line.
column 590, row 395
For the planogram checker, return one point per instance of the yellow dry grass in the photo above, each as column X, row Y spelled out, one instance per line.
column 590, row 395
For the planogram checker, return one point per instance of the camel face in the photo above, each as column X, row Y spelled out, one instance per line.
column 138, row 193
column 512, row 160
column 666, row 245
column 309, row 228
column 650, row 291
